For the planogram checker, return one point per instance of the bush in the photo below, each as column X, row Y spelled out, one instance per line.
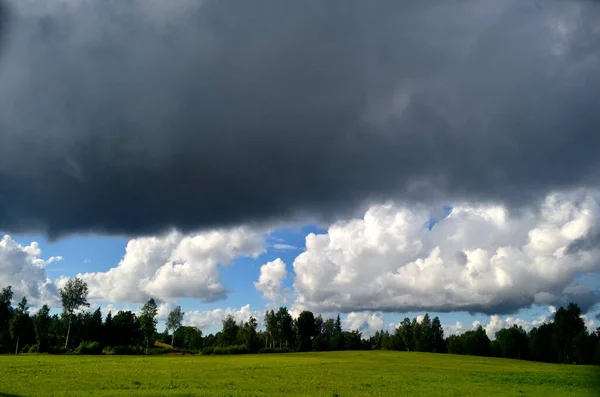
column 268, row 350
column 33, row 349
column 58, row 350
column 208, row 350
column 234, row 349
column 123, row 350
column 89, row 348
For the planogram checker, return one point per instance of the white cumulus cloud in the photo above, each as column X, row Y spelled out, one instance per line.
column 22, row 267
column 211, row 319
column 270, row 281
column 480, row 258
column 174, row 266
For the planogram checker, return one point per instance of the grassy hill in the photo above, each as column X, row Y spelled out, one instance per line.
column 366, row 373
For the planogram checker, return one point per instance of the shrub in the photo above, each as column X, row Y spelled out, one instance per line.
column 123, row 350
column 234, row 349
column 89, row 348
column 57, row 350
column 268, row 350
column 33, row 349
column 208, row 350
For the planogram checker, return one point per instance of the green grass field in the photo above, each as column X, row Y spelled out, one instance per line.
column 369, row 373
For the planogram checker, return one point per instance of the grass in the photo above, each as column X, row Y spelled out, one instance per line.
column 369, row 373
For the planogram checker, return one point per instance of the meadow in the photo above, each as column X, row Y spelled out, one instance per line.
column 362, row 373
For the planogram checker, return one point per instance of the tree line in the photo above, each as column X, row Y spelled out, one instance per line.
column 565, row 339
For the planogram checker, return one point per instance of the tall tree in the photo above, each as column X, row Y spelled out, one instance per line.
column 437, row 333
column 5, row 314
column 127, row 329
column 406, row 334
column 425, row 337
column 230, row 331
column 271, row 327
column 248, row 334
column 513, row 342
column 285, row 328
column 541, row 344
column 567, row 324
column 174, row 322
column 148, row 321
column 19, row 321
column 73, row 296
column 337, row 338
column 42, row 322
column 307, row 330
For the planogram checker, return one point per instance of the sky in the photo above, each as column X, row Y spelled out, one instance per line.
column 374, row 159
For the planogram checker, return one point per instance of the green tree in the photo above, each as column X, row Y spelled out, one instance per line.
column 541, row 343
column 174, row 321
column 513, row 342
column 337, row 338
column 425, row 337
column 42, row 322
column 567, row 324
column 73, row 296
column 406, row 334
column 6, row 311
column 271, row 328
column 19, row 321
column 229, row 332
column 437, row 333
column 285, row 328
column 189, row 338
column 248, row 334
column 148, row 321
column 307, row 330
column 126, row 328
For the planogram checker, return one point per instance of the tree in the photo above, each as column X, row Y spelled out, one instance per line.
column 425, row 337
column 5, row 314
column 307, row 330
column 107, row 330
column 73, row 296
column 437, row 332
column 42, row 322
column 406, row 334
column 18, row 322
column 148, row 321
column 189, row 337
column 567, row 324
column 174, row 321
column 271, row 328
column 127, row 329
column 540, row 343
column 230, row 331
column 285, row 331
column 337, row 339
column 513, row 342
column 248, row 335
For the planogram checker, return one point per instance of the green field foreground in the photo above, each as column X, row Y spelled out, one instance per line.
column 364, row 373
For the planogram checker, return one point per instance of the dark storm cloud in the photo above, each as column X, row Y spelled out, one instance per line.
column 132, row 116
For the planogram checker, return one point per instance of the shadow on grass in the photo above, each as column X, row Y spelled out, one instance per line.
column 9, row 395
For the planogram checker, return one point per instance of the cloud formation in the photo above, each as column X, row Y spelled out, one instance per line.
column 136, row 116
column 174, row 266
column 211, row 319
column 270, row 280
column 23, row 268
column 480, row 258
